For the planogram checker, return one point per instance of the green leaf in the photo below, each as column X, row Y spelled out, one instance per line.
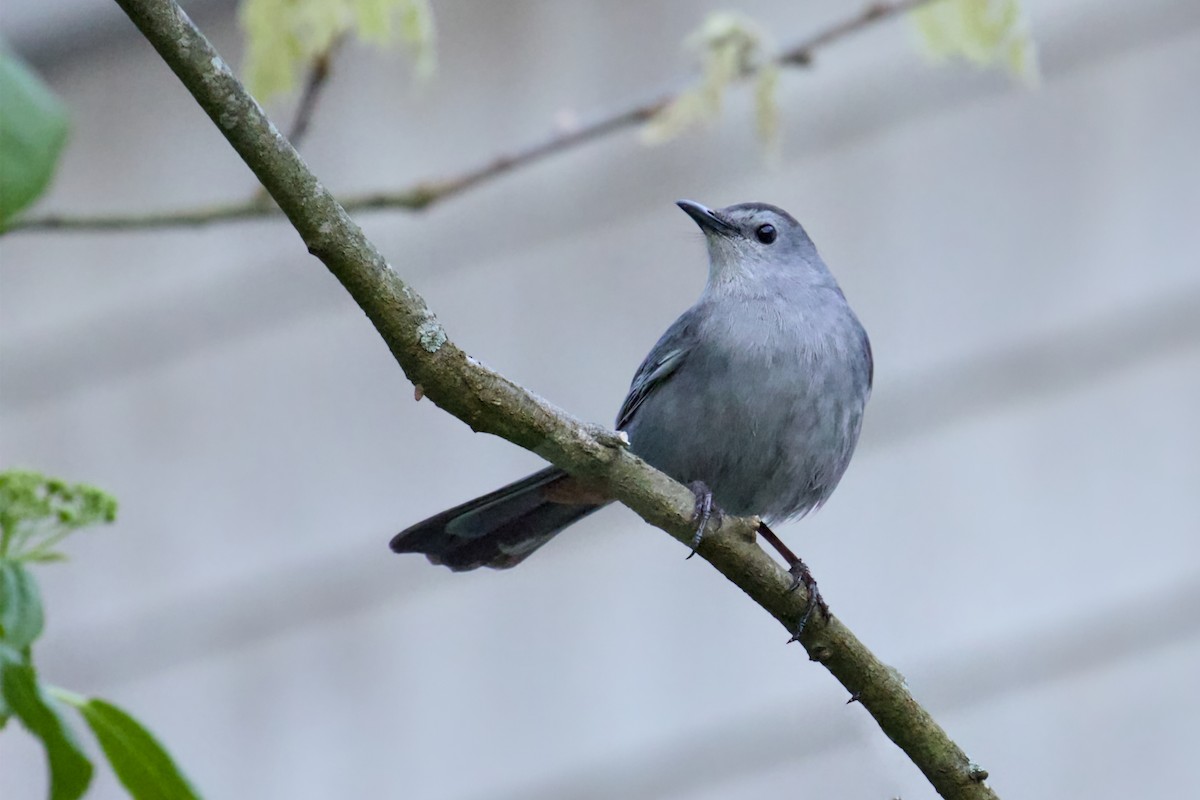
column 33, row 130
column 21, row 616
column 284, row 36
column 985, row 33
column 7, row 655
column 142, row 764
column 70, row 771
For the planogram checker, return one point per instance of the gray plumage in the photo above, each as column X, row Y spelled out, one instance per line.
column 757, row 391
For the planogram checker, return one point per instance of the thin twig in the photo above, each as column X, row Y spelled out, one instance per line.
column 489, row 402
column 317, row 80
column 425, row 193
column 802, row 54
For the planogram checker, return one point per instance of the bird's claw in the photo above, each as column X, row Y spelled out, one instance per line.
column 702, row 513
column 801, row 576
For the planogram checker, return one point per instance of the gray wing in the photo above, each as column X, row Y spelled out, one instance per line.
column 664, row 359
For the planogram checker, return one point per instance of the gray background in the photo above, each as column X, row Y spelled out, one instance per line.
column 1018, row 534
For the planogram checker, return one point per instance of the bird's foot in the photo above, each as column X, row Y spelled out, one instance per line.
column 801, row 576
column 702, row 513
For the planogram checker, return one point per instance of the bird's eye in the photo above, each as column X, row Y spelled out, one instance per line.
column 765, row 233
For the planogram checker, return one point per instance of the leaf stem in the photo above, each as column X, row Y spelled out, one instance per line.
column 65, row 695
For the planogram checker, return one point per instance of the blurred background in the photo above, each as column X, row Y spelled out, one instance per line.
column 1018, row 534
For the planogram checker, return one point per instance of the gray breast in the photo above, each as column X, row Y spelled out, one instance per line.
column 765, row 411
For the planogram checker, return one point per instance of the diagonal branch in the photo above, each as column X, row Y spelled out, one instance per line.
column 426, row 193
column 306, row 107
column 491, row 403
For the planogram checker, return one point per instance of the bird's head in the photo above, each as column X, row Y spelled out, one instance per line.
column 756, row 244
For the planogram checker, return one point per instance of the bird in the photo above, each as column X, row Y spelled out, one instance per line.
column 754, row 397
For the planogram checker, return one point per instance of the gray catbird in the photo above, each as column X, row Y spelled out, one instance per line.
column 754, row 397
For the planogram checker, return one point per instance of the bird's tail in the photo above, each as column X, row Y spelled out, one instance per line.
column 497, row 530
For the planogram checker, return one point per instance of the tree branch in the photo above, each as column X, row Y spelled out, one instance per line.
column 491, row 403
column 426, row 193
column 314, row 83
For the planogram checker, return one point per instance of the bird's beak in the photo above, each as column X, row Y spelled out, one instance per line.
column 706, row 218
